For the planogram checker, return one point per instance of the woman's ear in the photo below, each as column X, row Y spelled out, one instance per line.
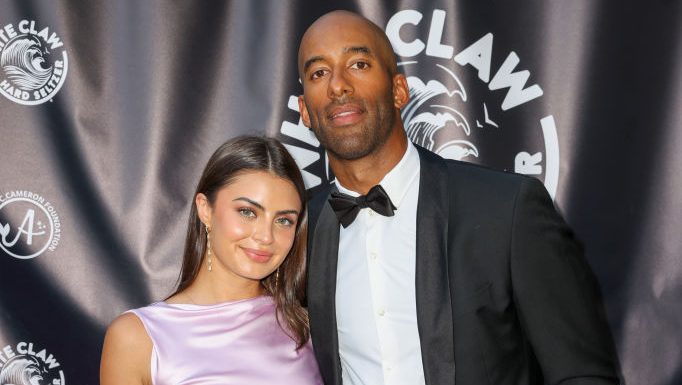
column 203, row 209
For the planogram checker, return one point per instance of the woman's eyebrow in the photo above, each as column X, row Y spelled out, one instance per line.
column 261, row 207
column 284, row 212
column 245, row 199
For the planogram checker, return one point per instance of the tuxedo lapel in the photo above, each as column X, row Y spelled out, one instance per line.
column 434, row 308
column 322, row 262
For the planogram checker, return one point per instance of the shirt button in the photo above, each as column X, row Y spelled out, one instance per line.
column 381, row 312
column 373, row 256
column 371, row 212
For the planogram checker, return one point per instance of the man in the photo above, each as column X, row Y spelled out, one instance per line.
column 446, row 273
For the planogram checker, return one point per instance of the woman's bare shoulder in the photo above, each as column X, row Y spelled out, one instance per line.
column 126, row 355
column 129, row 330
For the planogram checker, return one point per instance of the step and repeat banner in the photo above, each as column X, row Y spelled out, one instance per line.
column 110, row 109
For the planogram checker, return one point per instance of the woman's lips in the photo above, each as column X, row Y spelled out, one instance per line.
column 255, row 255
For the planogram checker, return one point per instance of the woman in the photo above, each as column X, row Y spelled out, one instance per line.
column 236, row 316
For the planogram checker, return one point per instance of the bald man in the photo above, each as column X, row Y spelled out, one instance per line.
column 424, row 270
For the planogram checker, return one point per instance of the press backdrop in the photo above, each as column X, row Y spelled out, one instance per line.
column 110, row 109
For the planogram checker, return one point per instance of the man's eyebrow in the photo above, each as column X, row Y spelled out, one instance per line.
column 310, row 62
column 358, row 49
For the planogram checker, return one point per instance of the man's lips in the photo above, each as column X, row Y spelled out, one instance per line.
column 345, row 114
column 256, row 255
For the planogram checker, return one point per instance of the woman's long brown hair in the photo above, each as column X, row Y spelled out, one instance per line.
column 236, row 156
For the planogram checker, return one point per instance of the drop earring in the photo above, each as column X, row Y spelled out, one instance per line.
column 208, row 248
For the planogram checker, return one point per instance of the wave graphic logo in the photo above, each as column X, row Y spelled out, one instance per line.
column 424, row 128
column 499, row 119
column 33, row 70
column 21, row 364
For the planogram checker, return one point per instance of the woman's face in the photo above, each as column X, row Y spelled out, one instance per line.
column 253, row 224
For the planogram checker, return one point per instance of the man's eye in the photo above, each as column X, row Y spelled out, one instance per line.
column 246, row 212
column 318, row 74
column 361, row 65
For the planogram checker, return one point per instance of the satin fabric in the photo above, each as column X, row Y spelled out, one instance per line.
column 229, row 343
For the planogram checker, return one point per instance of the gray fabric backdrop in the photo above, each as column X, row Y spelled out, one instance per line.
column 110, row 109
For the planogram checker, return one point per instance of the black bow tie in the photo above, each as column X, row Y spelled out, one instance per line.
column 347, row 207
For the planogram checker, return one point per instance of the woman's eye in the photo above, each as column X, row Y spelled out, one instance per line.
column 285, row 221
column 246, row 212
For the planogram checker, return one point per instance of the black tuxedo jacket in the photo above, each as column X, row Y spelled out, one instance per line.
column 504, row 294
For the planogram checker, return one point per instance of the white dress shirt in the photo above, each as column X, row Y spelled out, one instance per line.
column 376, row 310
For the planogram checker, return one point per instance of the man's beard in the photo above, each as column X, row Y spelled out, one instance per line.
column 373, row 134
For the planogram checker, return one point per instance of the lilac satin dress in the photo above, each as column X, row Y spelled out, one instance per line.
column 230, row 343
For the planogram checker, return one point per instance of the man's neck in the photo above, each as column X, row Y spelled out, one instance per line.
column 362, row 174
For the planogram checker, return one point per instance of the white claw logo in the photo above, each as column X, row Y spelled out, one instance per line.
column 480, row 126
column 423, row 128
column 32, row 70
column 21, row 364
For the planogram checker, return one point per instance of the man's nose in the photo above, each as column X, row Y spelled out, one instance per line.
column 339, row 85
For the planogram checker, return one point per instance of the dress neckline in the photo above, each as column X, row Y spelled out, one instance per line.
column 192, row 306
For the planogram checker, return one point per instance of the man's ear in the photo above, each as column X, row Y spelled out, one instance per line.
column 401, row 91
column 203, row 209
column 304, row 111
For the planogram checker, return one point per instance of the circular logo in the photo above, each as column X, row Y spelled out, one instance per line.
column 465, row 106
column 22, row 364
column 462, row 106
column 33, row 63
column 29, row 225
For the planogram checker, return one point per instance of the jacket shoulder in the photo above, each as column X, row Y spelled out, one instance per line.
column 475, row 178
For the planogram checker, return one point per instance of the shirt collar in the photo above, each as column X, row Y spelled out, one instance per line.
column 397, row 181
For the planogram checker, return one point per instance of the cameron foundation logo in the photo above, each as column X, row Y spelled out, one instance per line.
column 33, row 62
column 24, row 364
column 29, row 225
